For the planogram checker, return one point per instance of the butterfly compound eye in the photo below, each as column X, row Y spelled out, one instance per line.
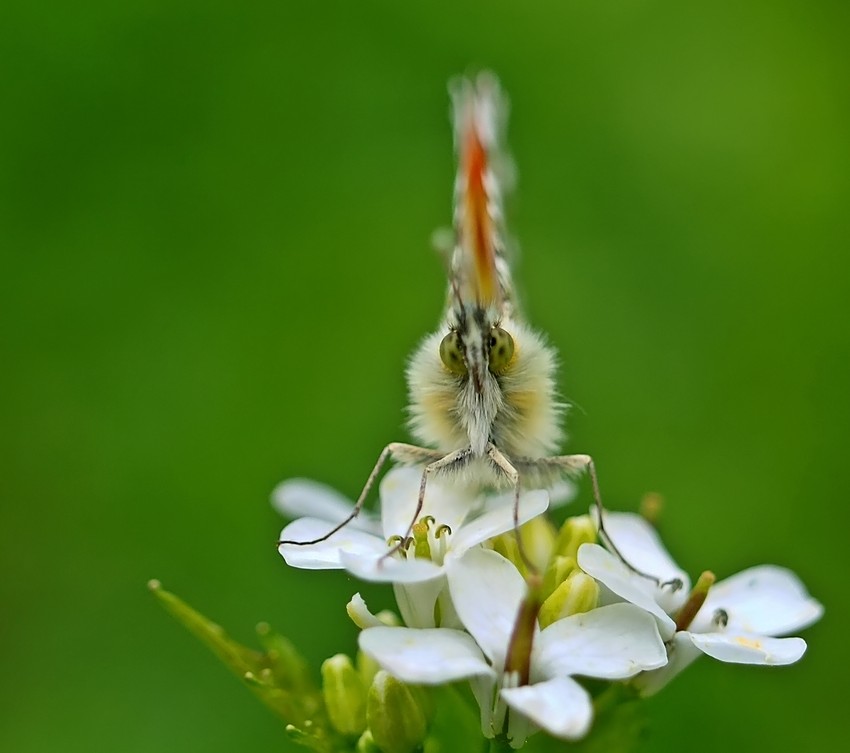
column 451, row 354
column 501, row 350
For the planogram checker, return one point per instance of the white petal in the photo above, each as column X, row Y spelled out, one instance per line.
column 745, row 648
column 640, row 544
column 399, row 491
column 561, row 493
column 499, row 520
column 326, row 554
column 611, row 643
column 560, row 706
column 615, row 575
column 497, row 499
column 380, row 569
column 681, row 653
column 448, row 503
column 299, row 497
column 486, row 590
column 426, row 657
column 447, row 611
column 766, row 600
column 416, row 602
column 360, row 614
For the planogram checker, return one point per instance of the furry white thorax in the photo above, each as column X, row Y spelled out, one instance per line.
column 517, row 410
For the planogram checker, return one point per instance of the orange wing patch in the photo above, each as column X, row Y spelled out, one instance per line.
column 478, row 225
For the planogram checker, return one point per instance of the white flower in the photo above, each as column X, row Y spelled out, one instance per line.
column 612, row 642
column 739, row 621
column 638, row 542
column 446, row 529
column 300, row 497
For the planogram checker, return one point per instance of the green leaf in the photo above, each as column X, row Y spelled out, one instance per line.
column 278, row 676
column 240, row 659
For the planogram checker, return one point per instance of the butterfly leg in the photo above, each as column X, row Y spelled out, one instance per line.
column 406, row 453
column 573, row 464
column 505, row 466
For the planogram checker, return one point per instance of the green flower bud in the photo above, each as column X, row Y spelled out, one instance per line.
column 388, row 618
column 506, row 545
column 650, row 507
column 575, row 532
column 367, row 668
column 557, row 572
column 578, row 593
column 538, row 539
column 367, row 744
column 424, row 698
column 396, row 720
column 345, row 695
column 290, row 669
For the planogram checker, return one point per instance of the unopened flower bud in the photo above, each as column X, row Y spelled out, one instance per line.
column 367, row 668
column 557, row 572
column 388, row 618
column 289, row 669
column 538, row 539
column 650, row 507
column 578, row 593
column 367, row 744
column 506, row 545
column 574, row 532
column 425, row 700
column 345, row 695
column 396, row 719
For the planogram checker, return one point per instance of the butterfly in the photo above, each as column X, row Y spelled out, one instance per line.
column 483, row 402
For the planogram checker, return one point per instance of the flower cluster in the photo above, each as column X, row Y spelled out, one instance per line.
column 532, row 618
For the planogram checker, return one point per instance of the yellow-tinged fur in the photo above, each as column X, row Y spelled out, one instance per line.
column 527, row 421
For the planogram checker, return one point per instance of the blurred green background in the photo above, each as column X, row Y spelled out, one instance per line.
column 214, row 226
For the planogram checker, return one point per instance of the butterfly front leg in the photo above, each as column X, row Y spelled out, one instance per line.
column 406, row 453
column 576, row 464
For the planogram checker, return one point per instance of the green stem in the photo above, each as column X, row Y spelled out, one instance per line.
column 607, row 698
column 499, row 744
